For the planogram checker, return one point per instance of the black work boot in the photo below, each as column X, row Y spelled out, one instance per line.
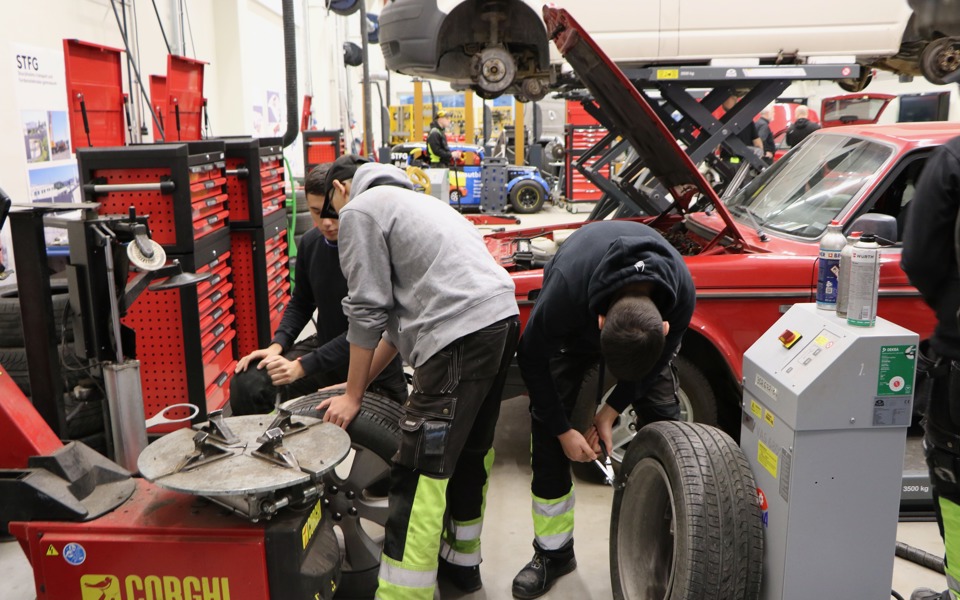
column 465, row 579
column 536, row 579
column 928, row 594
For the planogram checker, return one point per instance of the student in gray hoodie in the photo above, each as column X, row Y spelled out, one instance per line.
column 421, row 282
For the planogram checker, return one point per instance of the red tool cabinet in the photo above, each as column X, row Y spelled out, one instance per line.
column 261, row 280
column 186, row 338
column 255, row 179
column 321, row 147
column 182, row 187
column 581, row 132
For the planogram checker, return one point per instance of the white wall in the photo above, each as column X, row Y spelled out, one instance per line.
column 241, row 40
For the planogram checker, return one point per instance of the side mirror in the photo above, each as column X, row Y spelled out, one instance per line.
column 882, row 226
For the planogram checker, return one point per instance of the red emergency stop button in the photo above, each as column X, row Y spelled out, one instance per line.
column 789, row 338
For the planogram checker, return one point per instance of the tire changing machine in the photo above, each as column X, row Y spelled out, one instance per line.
column 826, row 408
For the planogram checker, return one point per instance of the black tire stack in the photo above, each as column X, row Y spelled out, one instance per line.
column 84, row 416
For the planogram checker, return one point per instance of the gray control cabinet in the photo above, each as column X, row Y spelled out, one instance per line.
column 824, row 428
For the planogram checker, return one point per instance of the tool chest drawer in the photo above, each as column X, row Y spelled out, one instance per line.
column 255, row 179
column 181, row 186
column 261, row 277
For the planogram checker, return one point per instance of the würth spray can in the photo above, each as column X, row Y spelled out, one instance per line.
column 828, row 266
column 864, row 282
column 843, row 279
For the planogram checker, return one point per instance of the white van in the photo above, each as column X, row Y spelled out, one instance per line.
column 501, row 46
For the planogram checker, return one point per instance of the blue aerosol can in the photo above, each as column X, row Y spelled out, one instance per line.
column 864, row 282
column 828, row 266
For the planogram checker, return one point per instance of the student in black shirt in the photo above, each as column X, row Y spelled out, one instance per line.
column 322, row 359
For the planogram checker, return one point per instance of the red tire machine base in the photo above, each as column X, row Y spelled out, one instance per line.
column 160, row 544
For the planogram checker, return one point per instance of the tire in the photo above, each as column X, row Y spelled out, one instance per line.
column 708, row 545
column 360, row 483
column 940, row 61
column 698, row 404
column 854, row 86
column 14, row 362
column 11, row 332
column 527, row 197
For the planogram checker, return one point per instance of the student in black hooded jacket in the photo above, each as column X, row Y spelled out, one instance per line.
column 619, row 295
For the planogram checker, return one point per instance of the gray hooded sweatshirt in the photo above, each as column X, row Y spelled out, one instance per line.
column 415, row 268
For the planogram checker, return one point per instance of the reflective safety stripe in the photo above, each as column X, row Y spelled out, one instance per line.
column 464, row 559
column 553, row 508
column 397, row 582
column 554, row 542
column 950, row 513
column 465, row 531
column 553, row 520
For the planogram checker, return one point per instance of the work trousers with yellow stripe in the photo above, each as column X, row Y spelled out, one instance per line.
column 439, row 478
column 941, row 445
column 552, row 485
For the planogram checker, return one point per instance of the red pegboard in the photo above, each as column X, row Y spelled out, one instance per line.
column 241, row 246
column 159, row 206
column 156, row 319
column 94, row 74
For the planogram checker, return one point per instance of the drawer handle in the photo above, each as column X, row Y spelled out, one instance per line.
column 221, row 379
column 218, row 329
column 216, row 313
column 219, row 346
column 216, row 296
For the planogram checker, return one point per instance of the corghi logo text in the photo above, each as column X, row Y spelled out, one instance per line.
column 153, row 587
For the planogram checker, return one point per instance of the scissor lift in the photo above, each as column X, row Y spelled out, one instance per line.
column 688, row 114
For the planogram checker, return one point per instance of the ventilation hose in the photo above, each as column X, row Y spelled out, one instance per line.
column 290, row 53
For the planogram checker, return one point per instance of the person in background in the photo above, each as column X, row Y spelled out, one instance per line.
column 748, row 135
column 801, row 128
column 422, row 283
column 321, row 359
column 437, row 148
column 765, row 133
column 618, row 296
column 930, row 261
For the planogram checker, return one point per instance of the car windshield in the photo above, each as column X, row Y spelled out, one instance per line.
column 810, row 186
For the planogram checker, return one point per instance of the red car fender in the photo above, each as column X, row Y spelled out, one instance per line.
column 717, row 336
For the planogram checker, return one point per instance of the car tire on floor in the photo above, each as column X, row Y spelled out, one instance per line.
column 361, row 484
column 686, row 522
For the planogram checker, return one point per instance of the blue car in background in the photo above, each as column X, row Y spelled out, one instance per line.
column 526, row 188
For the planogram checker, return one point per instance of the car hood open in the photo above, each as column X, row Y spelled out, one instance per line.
column 635, row 119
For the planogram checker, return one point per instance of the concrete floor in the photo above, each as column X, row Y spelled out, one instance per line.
column 509, row 530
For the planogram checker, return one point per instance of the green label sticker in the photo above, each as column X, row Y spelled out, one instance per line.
column 897, row 365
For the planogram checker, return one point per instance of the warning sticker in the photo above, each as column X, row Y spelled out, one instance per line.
column 668, row 73
column 756, row 409
column 51, row 551
column 767, row 458
column 897, row 365
column 768, row 417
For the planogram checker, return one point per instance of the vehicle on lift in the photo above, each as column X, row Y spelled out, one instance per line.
column 755, row 255
column 500, row 46
column 526, row 187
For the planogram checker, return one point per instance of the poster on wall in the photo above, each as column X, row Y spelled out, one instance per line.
column 49, row 163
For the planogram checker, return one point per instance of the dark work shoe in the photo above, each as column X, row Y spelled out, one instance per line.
column 928, row 594
column 465, row 579
column 536, row 579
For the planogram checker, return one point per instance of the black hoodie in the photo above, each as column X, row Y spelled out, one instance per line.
column 800, row 130
column 929, row 255
column 593, row 264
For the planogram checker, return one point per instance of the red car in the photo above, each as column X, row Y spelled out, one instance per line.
column 755, row 255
